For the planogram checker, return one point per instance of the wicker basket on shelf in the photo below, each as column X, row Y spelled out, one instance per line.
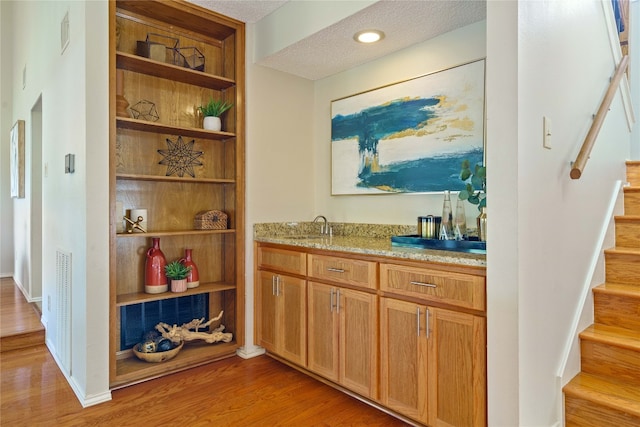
column 210, row 220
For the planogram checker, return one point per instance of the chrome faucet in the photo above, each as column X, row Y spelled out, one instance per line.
column 324, row 228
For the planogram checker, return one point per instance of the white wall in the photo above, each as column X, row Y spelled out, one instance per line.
column 634, row 69
column 563, row 69
column 453, row 48
column 6, row 202
column 279, row 157
column 74, row 90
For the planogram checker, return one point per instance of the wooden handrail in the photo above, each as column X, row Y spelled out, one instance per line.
column 590, row 139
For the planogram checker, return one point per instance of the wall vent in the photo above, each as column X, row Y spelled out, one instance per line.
column 63, row 308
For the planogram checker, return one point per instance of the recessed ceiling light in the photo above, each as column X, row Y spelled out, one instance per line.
column 368, row 36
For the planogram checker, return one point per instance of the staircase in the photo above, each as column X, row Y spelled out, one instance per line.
column 607, row 390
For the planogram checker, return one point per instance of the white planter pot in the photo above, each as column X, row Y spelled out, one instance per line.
column 212, row 123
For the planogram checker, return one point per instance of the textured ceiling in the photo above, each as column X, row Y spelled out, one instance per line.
column 332, row 49
column 249, row 11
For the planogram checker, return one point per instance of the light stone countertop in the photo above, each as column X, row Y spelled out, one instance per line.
column 367, row 239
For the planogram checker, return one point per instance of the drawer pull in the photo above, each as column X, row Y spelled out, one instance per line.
column 335, row 270
column 418, row 320
column 429, row 285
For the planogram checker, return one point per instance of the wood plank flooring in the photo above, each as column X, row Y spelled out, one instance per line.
column 232, row 392
column 19, row 321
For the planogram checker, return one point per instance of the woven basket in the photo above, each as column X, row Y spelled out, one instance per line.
column 210, row 220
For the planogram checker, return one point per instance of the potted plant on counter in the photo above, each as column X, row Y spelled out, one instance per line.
column 177, row 273
column 212, row 112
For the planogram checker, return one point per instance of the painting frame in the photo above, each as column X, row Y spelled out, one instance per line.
column 17, row 160
column 410, row 136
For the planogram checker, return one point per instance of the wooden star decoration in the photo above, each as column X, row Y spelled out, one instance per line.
column 180, row 158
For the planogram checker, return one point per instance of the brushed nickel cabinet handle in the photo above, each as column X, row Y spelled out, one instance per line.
column 331, row 300
column 335, row 270
column 429, row 285
column 418, row 320
column 426, row 313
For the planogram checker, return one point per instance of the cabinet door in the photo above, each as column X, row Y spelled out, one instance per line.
column 266, row 311
column 358, row 312
column 323, row 331
column 281, row 317
column 292, row 316
column 403, row 353
column 457, row 369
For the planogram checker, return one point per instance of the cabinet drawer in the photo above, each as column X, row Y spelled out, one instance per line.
column 343, row 270
column 463, row 290
column 282, row 260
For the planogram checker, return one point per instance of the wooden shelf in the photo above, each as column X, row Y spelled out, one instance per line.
column 139, row 64
column 131, row 369
column 155, row 127
column 136, row 179
column 159, row 178
column 175, row 233
column 140, row 297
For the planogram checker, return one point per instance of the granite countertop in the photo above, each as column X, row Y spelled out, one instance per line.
column 367, row 239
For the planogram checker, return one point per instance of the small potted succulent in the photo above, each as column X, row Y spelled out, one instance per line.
column 212, row 112
column 177, row 273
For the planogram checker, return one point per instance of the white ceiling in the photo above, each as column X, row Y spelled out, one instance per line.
column 332, row 49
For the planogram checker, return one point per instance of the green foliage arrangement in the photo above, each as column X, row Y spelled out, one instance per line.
column 215, row 108
column 476, row 184
column 175, row 270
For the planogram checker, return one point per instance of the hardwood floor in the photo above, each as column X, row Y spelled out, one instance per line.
column 19, row 321
column 232, row 392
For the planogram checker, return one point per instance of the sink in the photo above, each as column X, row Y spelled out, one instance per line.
column 415, row 241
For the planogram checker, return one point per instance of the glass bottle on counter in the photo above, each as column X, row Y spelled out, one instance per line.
column 460, row 222
column 446, row 226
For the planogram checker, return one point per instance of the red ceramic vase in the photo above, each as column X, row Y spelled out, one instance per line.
column 193, row 279
column 155, row 280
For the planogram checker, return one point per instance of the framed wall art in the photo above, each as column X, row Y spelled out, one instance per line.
column 17, row 160
column 409, row 137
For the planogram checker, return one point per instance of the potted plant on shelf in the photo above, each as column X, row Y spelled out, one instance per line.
column 177, row 273
column 212, row 112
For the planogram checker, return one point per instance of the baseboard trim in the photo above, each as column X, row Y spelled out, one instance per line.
column 85, row 401
column 255, row 351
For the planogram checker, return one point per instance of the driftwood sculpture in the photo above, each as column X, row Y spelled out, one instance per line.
column 177, row 334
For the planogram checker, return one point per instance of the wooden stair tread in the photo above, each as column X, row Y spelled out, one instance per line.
column 618, row 250
column 612, row 335
column 605, row 392
column 627, row 218
column 620, row 289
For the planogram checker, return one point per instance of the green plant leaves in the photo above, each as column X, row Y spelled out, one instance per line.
column 475, row 184
column 215, row 107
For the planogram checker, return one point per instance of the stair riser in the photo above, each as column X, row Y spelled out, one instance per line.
column 633, row 173
column 29, row 339
column 628, row 234
column 617, row 310
column 622, row 268
column 583, row 413
column 610, row 361
column 632, row 202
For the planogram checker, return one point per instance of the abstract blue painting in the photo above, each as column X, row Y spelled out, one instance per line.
column 409, row 137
